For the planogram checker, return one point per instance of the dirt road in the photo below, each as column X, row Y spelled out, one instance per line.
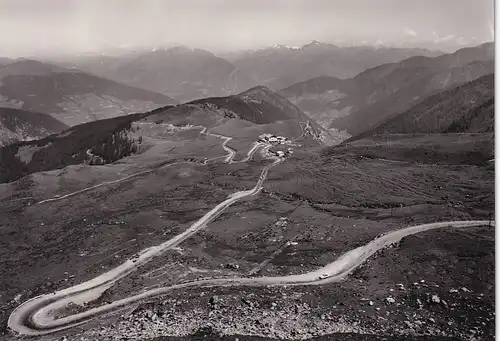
column 36, row 316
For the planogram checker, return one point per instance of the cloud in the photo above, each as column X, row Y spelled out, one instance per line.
column 410, row 32
column 448, row 37
column 438, row 39
column 452, row 39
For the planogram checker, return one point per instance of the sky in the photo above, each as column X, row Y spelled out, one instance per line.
column 51, row 27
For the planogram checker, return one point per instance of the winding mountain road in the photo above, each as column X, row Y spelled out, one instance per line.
column 36, row 316
column 227, row 158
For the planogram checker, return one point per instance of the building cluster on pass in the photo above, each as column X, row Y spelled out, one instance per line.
column 277, row 141
column 273, row 139
column 283, row 153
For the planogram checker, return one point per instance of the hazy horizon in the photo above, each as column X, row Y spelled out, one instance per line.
column 52, row 27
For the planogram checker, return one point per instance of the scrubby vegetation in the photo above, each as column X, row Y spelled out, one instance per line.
column 464, row 148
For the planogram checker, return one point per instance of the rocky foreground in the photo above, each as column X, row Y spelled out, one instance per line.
column 294, row 315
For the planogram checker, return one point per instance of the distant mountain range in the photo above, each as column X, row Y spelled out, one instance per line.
column 19, row 125
column 182, row 73
column 71, row 96
column 280, row 66
column 71, row 91
column 188, row 74
column 368, row 99
column 27, row 67
column 5, row 61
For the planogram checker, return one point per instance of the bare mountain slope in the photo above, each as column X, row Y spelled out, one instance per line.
column 72, row 97
column 18, row 125
column 182, row 73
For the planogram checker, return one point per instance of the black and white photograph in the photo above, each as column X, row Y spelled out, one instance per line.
column 247, row 170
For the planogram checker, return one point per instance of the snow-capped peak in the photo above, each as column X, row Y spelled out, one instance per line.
column 279, row 46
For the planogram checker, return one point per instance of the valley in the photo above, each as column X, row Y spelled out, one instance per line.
column 370, row 98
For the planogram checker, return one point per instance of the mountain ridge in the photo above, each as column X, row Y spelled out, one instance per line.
column 71, row 96
column 361, row 102
column 182, row 73
column 467, row 108
column 251, row 113
column 188, row 74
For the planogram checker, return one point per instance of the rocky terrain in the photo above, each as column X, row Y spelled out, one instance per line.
column 425, row 308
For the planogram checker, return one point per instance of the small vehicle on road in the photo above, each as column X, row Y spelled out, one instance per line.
column 323, row 276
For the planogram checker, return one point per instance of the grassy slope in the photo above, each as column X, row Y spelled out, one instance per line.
column 451, row 148
column 333, row 203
